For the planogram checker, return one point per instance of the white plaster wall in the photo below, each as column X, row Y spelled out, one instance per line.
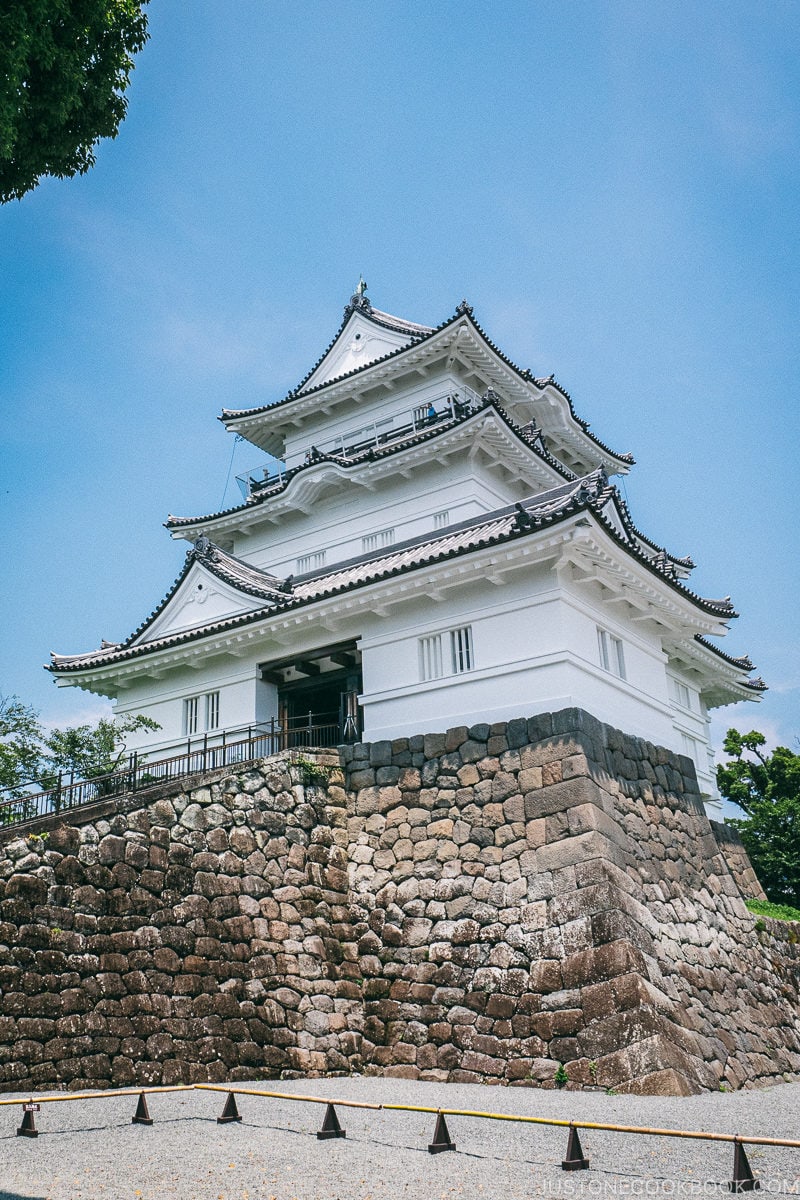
column 338, row 524
column 241, row 698
column 351, row 418
column 535, row 649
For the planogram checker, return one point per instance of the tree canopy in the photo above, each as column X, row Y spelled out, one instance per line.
column 31, row 758
column 64, row 69
column 767, row 788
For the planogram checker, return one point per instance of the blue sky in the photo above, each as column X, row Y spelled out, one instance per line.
column 613, row 186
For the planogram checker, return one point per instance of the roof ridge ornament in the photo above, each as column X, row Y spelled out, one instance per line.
column 359, row 298
column 464, row 309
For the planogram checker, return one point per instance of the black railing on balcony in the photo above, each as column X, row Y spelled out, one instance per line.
column 230, row 748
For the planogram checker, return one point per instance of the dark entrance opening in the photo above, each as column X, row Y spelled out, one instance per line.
column 318, row 696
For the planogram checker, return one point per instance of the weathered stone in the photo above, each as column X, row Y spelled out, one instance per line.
column 519, row 894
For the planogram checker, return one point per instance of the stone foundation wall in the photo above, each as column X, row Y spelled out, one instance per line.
column 477, row 905
column 738, row 862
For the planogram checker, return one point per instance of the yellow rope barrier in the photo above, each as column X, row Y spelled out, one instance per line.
column 219, row 1087
column 699, row 1135
column 654, row 1132
column 178, row 1087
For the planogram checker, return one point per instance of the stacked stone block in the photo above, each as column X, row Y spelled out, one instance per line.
column 549, row 892
column 192, row 938
column 480, row 905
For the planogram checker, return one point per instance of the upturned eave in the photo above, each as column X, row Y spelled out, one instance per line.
column 572, row 513
column 463, row 339
column 535, row 464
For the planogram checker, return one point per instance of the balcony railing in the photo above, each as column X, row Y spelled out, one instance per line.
column 231, row 748
column 375, row 433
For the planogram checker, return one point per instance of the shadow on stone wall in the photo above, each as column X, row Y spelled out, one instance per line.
column 479, row 905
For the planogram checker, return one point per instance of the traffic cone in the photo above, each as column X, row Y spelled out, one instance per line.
column 28, row 1126
column 441, row 1138
column 141, row 1116
column 575, row 1160
column 330, row 1126
column 743, row 1178
column 230, row 1112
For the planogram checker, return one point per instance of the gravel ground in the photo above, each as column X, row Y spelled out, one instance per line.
column 90, row 1148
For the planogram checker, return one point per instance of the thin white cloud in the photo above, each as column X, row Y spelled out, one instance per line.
column 68, row 715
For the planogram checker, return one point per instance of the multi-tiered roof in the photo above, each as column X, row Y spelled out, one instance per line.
column 527, row 425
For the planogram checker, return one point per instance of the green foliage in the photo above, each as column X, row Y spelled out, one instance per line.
column 88, row 752
column 767, row 788
column 779, row 912
column 313, row 772
column 29, row 757
column 21, row 739
column 561, row 1077
column 64, row 68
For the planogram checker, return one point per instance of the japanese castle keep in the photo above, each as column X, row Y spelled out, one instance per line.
column 451, row 814
column 432, row 538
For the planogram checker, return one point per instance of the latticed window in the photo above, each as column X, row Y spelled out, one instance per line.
column 191, row 714
column 441, row 519
column 196, row 708
column 680, row 693
column 446, row 654
column 461, row 649
column 376, row 541
column 612, row 655
column 691, row 748
column 310, row 562
column 430, row 657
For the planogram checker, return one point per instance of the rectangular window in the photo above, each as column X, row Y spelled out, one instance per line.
column 197, row 707
column 691, row 748
column 680, row 693
column 612, row 657
column 461, row 649
column 376, row 541
column 441, row 519
column 430, row 657
column 191, row 714
column 432, row 661
column 310, row 562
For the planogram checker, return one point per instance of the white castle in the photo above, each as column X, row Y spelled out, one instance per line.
column 430, row 539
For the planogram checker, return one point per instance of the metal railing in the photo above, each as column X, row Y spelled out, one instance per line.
column 376, row 433
column 207, row 753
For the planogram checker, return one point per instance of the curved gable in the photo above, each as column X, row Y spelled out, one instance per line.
column 200, row 598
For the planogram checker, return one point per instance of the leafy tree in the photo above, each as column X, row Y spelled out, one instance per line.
column 21, row 739
column 88, row 752
column 31, row 758
column 64, row 68
column 767, row 788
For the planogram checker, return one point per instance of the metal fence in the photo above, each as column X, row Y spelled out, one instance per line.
column 230, row 748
